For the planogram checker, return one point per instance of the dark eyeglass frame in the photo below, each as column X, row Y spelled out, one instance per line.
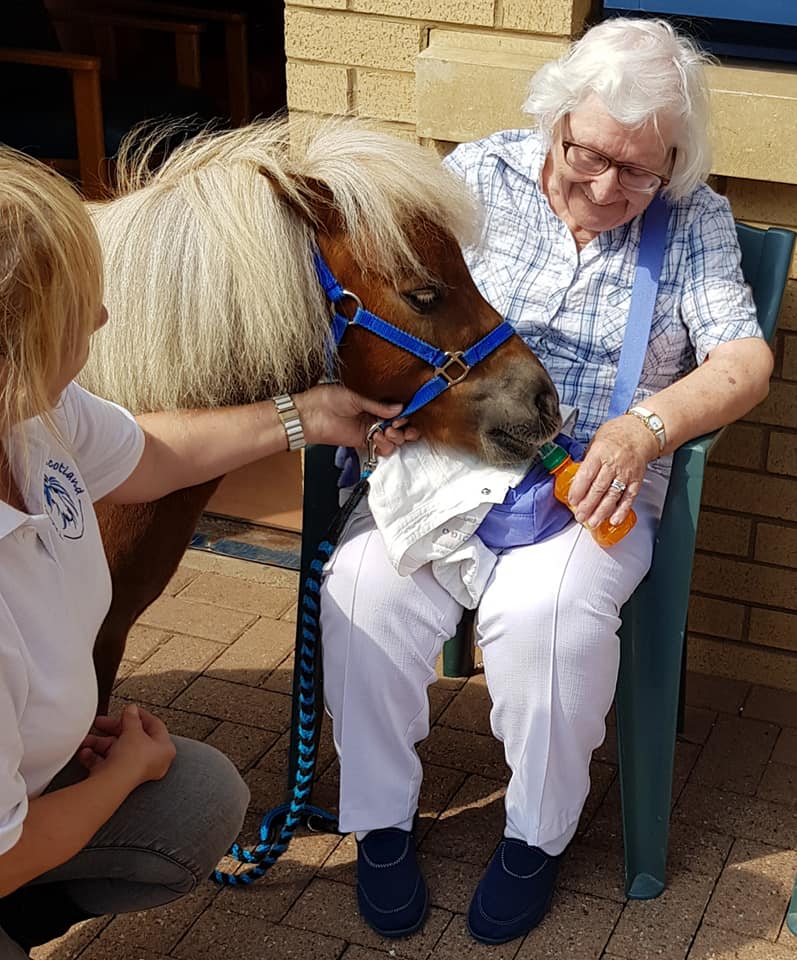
column 609, row 162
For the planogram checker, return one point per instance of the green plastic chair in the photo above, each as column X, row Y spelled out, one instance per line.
column 653, row 630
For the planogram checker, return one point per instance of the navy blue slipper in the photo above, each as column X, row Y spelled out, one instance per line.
column 514, row 894
column 391, row 893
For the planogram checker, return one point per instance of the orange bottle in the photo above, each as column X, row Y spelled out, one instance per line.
column 559, row 462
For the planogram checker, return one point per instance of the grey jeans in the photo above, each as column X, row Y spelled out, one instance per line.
column 164, row 840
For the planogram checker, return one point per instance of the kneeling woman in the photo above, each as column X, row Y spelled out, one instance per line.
column 126, row 817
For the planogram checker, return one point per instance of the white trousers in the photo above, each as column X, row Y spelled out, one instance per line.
column 547, row 627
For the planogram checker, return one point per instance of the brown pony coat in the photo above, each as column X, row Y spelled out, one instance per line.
column 213, row 300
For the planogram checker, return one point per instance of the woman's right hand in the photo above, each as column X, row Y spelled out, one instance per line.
column 136, row 745
column 331, row 413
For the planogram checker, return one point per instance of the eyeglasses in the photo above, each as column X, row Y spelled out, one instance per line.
column 592, row 163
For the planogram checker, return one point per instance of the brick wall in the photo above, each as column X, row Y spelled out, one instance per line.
column 359, row 57
column 743, row 614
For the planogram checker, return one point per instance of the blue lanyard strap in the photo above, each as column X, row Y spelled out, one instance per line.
column 643, row 300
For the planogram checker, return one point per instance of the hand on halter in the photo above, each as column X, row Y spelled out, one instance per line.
column 612, row 471
column 331, row 413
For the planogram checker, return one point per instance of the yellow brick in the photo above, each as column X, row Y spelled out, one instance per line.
column 741, row 445
column 753, row 122
column 403, row 130
column 351, row 39
column 473, row 12
column 789, row 369
column 775, row 544
column 779, row 408
column 782, row 453
column 327, row 4
column 562, row 17
column 389, row 96
column 470, row 84
column 723, row 533
column 765, row 202
column 746, row 662
column 441, row 147
column 753, row 493
column 317, row 86
column 741, row 580
column 718, row 618
column 772, row 628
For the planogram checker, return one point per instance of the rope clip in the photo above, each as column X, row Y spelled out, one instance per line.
column 370, row 464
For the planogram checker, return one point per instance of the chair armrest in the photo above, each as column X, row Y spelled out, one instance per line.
column 180, row 10
column 186, row 39
column 695, row 452
column 87, row 99
column 235, row 28
column 125, row 22
column 50, row 58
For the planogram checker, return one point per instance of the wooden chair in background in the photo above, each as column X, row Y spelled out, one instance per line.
column 77, row 88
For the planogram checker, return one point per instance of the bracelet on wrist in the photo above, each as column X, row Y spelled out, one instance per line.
column 291, row 421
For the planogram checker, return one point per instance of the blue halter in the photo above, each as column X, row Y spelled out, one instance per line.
column 450, row 367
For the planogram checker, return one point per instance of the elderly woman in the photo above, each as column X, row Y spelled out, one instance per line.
column 622, row 119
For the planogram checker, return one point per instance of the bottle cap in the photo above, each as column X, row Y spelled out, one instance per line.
column 552, row 455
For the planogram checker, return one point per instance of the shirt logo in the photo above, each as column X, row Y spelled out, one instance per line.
column 62, row 490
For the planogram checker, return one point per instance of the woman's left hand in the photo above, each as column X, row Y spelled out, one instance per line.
column 612, row 471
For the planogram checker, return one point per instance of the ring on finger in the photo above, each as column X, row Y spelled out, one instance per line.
column 618, row 485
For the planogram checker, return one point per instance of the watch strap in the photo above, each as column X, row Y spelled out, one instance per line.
column 291, row 421
column 653, row 422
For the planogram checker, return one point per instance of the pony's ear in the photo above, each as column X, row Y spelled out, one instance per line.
column 310, row 198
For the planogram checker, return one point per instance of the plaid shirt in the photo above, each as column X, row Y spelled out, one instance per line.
column 571, row 307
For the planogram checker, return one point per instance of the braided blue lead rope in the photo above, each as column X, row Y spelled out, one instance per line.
column 262, row 857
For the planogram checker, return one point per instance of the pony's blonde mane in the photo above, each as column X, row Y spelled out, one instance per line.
column 210, row 286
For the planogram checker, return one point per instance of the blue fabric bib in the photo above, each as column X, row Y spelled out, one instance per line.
column 530, row 512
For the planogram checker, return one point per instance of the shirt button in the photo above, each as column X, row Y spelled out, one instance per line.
column 486, row 491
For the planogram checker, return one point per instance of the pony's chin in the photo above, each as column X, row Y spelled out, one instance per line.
column 506, row 446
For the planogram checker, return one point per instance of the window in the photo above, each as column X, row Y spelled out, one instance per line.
column 756, row 29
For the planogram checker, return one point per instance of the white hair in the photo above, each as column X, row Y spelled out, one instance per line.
column 642, row 70
column 209, row 278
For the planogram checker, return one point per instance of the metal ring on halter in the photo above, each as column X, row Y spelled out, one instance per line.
column 618, row 485
column 348, row 295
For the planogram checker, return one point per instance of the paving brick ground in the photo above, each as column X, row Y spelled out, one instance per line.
column 213, row 657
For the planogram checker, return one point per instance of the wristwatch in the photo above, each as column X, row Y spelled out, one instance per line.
column 289, row 416
column 653, row 422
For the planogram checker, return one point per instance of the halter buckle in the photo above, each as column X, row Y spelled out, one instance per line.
column 453, row 358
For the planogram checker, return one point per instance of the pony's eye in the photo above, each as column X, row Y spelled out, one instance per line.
column 422, row 299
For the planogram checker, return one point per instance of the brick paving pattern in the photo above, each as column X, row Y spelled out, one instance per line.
column 213, row 658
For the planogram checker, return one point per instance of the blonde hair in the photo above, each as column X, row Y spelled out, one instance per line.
column 641, row 70
column 50, row 283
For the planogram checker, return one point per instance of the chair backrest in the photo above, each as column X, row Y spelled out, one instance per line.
column 766, row 257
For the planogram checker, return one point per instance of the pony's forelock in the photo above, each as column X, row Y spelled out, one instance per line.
column 221, row 267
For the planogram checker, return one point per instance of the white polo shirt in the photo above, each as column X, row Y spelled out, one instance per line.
column 55, row 589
